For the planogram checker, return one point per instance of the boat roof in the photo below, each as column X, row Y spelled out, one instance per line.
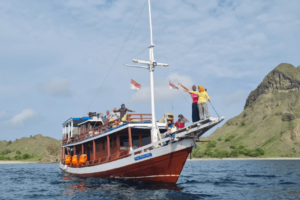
column 76, row 121
column 91, row 120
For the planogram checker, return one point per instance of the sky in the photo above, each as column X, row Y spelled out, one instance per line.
column 64, row 58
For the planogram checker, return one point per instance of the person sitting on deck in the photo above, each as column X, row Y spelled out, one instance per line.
column 169, row 126
column 114, row 114
column 107, row 116
column 123, row 110
column 169, row 123
column 115, row 124
column 180, row 122
column 170, row 134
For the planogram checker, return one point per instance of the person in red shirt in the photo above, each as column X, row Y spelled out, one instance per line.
column 195, row 110
column 180, row 122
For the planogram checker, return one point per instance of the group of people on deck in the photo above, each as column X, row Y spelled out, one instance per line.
column 116, row 114
column 199, row 107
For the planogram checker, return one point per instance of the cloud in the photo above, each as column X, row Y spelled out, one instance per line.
column 234, row 98
column 57, row 87
column 2, row 114
column 19, row 119
column 162, row 92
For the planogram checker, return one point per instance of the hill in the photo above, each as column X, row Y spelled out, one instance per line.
column 269, row 126
column 35, row 148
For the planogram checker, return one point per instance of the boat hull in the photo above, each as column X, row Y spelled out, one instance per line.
column 163, row 168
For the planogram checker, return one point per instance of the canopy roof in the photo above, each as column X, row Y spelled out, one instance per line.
column 76, row 121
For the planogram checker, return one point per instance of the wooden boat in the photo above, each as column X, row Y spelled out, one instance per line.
column 134, row 149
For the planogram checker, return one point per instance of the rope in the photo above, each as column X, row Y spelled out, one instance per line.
column 116, row 57
column 214, row 109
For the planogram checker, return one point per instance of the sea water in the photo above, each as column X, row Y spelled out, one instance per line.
column 215, row 179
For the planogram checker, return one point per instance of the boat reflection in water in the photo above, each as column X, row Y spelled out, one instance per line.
column 117, row 188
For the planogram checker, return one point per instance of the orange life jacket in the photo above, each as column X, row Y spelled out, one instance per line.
column 68, row 159
column 82, row 159
column 74, row 160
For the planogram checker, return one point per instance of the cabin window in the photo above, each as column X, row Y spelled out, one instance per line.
column 135, row 141
column 124, row 141
column 103, row 145
column 145, row 140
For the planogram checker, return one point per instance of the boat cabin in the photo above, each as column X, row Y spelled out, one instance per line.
column 104, row 140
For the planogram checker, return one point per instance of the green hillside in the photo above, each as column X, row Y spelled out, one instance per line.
column 35, row 148
column 269, row 126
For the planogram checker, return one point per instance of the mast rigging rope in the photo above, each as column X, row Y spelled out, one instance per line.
column 116, row 58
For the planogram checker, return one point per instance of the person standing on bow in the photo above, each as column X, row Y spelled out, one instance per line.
column 202, row 105
column 195, row 111
column 123, row 110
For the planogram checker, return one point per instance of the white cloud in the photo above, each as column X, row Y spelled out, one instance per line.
column 162, row 90
column 234, row 98
column 58, row 87
column 2, row 114
column 19, row 119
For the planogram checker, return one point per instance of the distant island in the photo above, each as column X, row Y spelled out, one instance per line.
column 269, row 126
column 36, row 148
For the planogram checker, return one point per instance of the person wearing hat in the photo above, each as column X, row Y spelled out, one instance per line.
column 202, row 105
column 123, row 110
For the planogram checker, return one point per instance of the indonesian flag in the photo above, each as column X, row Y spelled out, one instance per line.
column 134, row 85
column 172, row 86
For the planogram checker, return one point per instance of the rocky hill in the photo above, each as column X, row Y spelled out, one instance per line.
column 35, row 148
column 270, row 122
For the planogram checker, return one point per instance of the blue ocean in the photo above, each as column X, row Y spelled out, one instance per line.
column 214, row 179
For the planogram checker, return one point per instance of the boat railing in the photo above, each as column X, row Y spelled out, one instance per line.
column 105, row 127
column 139, row 117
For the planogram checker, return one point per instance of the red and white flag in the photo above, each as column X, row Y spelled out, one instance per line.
column 172, row 86
column 134, row 85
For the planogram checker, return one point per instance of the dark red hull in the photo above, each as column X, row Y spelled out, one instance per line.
column 166, row 168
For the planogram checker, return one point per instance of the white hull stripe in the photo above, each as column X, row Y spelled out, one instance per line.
column 152, row 176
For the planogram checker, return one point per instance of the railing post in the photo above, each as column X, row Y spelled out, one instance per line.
column 129, row 138
column 94, row 150
column 141, row 118
column 108, row 146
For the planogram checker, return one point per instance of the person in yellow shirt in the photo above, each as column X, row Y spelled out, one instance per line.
column 202, row 105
